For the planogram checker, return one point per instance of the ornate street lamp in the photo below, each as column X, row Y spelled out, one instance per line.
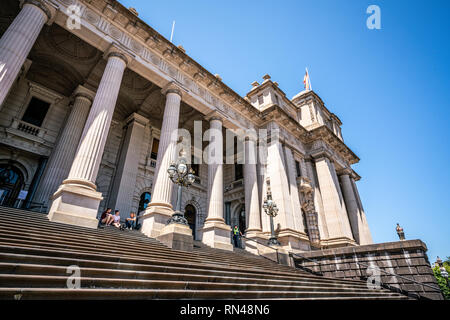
column 183, row 176
column 271, row 209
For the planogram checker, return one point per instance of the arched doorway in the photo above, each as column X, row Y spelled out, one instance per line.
column 190, row 214
column 242, row 220
column 11, row 182
column 146, row 197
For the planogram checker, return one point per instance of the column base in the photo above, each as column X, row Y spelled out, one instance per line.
column 252, row 246
column 282, row 257
column 337, row 242
column 217, row 234
column 292, row 240
column 155, row 219
column 177, row 236
column 75, row 205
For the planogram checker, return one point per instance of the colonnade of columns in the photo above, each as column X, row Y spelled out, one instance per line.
column 76, row 200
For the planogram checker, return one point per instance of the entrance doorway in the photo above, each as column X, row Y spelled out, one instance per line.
column 11, row 182
column 190, row 214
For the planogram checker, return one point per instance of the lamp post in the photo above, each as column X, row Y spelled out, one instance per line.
column 271, row 209
column 180, row 174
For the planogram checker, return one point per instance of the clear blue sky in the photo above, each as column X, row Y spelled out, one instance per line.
column 389, row 87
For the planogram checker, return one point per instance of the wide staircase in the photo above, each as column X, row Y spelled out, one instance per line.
column 35, row 255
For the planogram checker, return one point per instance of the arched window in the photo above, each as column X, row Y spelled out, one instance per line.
column 145, row 200
column 11, row 182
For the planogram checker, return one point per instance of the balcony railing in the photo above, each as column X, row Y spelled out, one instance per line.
column 27, row 128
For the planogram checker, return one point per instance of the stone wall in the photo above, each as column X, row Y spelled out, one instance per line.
column 406, row 259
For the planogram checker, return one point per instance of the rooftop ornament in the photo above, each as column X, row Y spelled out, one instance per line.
column 400, row 233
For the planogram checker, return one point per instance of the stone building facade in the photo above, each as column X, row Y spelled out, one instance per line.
column 89, row 97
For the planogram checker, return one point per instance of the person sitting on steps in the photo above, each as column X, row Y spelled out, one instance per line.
column 116, row 219
column 104, row 217
column 131, row 221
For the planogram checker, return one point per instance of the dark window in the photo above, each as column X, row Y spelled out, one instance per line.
column 277, row 101
column 260, row 99
column 155, row 146
column 228, row 213
column 36, row 112
column 195, row 167
column 238, row 171
column 305, row 224
column 297, row 168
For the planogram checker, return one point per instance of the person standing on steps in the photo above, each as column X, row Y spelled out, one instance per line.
column 236, row 236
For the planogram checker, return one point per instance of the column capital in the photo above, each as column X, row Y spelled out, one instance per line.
column 344, row 172
column 83, row 92
column 214, row 115
column 115, row 50
column 48, row 8
column 321, row 154
column 172, row 87
column 135, row 117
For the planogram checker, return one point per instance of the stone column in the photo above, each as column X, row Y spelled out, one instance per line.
column 122, row 192
column 215, row 232
column 251, row 189
column 365, row 235
column 295, row 199
column 277, row 176
column 159, row 209
column 318, row 203
column 61, row 158
column 352, row 207
column 77, row 200
column 19, row 38
column 337, row 221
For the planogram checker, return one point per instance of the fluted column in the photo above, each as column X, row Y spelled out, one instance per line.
column 215, row 172
column 215, row 232
column 159, row 209
column 339, row 230
column 17, row 41
column 251, row 188
column 295, row 198
column 76, row 201
column 90, row 150
column 365, row 235
column 61, row 158
column 352, row 207
column 162, row 186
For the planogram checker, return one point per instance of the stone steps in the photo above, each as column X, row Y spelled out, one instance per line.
column 120, row 294
column 48, row 270
column 62, row 240
column 35, row 254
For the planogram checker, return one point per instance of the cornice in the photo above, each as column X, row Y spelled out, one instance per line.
column 325, row 134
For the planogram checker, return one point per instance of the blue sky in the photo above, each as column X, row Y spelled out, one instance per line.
column 389, row 87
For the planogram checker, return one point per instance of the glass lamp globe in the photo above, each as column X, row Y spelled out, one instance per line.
column 182, row 168
column 190, row 178
column 172, row 170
